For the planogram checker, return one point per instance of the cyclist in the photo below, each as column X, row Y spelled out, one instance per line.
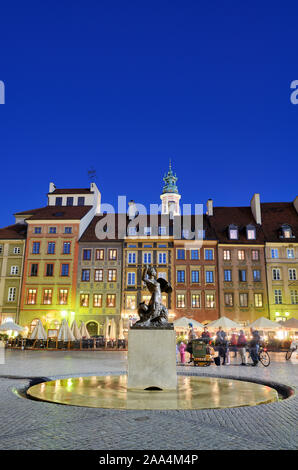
column 254, row 346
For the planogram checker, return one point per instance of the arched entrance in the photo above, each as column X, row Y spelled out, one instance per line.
column 92, row 328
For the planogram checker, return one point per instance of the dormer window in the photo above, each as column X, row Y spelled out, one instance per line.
column 286, row 231
column 147, row 230
column 250, row 232
column 162, row 230
column 233, row 232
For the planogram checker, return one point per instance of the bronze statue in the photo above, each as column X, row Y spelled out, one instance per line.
column 155, row 314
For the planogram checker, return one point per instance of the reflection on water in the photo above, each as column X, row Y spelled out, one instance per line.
column 192, row 393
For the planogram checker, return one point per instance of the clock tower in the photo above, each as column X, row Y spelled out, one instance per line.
column 170, row 197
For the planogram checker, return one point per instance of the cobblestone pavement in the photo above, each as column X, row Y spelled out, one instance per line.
column 27, row 424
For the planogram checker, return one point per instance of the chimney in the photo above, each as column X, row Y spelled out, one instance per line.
column 52, row 188
column 295, row 202
column 132, row 209
column 210, row 207
column 255, row 205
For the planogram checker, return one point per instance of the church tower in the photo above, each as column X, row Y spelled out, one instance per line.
column 170, row 197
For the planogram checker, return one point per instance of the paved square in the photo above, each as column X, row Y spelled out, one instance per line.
column 27, row 424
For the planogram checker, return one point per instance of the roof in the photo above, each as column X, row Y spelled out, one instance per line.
column 274, row 215
column 72, row 191
column 240, row 216
column 56, row 212
column 13, row 232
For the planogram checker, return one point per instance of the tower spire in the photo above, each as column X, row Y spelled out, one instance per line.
column 170, row 196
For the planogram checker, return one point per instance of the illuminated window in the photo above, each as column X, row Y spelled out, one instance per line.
column 255, row 255
column 196, row 301
column 241, row 255
column 229, row 299
column 250, row 232
column 111, row 300
column 31, row 296
column 47, row 296
column 227, row 255
column 243, row 300
column 84, row 300
column 131, row 302
column 112, row 275
column 210, row 300
column 180, row 301
column 233, row 232
column 112, row 254
column 258, row 300
column 98, row 275
column 97, row 300
column 63, row 296
column 99, row 254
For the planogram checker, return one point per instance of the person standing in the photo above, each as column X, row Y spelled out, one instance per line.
column 233, row 343
column 220, row 342
column 191, row 335
column 182, row 349
column 241, row 344
column 206, row 335
column 254, row 347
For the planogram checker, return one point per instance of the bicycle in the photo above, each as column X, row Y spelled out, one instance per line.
column 290, row 352
column 263, row 356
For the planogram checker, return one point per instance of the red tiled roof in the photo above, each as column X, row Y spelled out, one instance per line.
column 274, row 215
column 72, row 191
column 57, row 212
column 13, row 232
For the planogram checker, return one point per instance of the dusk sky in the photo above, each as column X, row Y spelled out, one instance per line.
column 124, row 86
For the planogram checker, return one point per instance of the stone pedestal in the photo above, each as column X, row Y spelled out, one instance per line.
column 152, row 359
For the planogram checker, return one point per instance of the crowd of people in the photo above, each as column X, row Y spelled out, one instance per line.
column 238, row 344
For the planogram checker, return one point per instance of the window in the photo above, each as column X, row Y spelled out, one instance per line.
column 34, row 270
column 277, row 296
column 255, row 255
column 52, row 229
column 228, row 275
column 84, row 300
column 196, row 301
column 180, row 254
column 131, row 258
column 147, row 230
column 209, row 277
column 131, row 302
column 233, row 232
column 274, row 252
column 209, row 254
column 132, row 231
column 47, row 296
column 162, row 258
column 37, row 229
column 35, row 248
column 69, row 201
column 67, row 229
column 290, row 253
column 51, row 248
column 243, row 300
column 14, row 270
column 16, row 250
column 112, row 255
column 87, row 255
column 131, row 279
column 227, row 255
column 63, row 296
column 49, row 269
column 229, row 299
column 64, row 269
column 276, row 274
column 99, row 254
column 242, row 275
column 286, row 231
column 256, row 275
column 180, row 276
column 81, row 201
column 112, row 275
column 97, row 300
column 31, row 296
column 258, row 300
column 86, row 275
column 1, row 249
column 294, row 297
column 241, row 255
column 98, row 275
column 12, row 294
column 195, row 276
column 111, row 300
column 66, row 248
column 162, row 230
column 250, row 232
column 180, row 300
column 210, row 300
column 292, row 275
column 58, row 201
column 147, row 258
column 194, row 254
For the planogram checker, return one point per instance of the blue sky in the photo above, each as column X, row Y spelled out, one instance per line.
column 124, row 86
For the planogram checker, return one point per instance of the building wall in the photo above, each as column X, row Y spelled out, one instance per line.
column 236, row 287
column 188, row 289
column 8, row 258
column 287, row 309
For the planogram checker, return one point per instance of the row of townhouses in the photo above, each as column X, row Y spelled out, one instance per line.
column 71, row 260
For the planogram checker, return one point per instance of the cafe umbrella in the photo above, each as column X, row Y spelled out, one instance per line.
column 75, row 330
column 65, row 333
column 39, row 332
column 83, row 330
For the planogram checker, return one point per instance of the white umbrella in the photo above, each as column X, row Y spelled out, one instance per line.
column 292, row 324
column 38, row 331
column 83, row 330
column 121, row 335
column 75, row 330
column 11, row 326
column 106, row 329
column 225, row 323
column 183, row 322
column 113, row 329
column 263, row 323
column 65, row 333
